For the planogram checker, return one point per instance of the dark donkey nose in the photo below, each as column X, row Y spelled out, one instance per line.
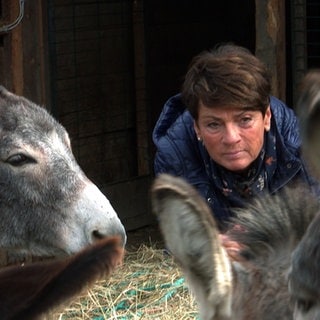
column 118, row 231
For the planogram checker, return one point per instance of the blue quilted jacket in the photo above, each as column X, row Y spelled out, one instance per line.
column 181, row 154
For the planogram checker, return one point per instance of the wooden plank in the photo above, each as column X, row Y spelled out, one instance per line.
column 299, row 44
column 16, row 50
column 143, row 134
column 131, row 201
column 25, row 59
column 270, row 42
column 107, row 158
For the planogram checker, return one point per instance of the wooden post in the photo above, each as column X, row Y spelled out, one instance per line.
column 299, row 45
column 140, row 89
column 270, row 42
column 24, row 54
column 16, row 51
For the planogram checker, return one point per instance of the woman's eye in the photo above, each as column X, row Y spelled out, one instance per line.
column 213, row 125
column 246, row 121
column 20, row 159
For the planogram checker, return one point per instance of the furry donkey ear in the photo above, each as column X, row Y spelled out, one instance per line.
column 304, row 280
column 8, row 98
column 308, row 109
column 6, row 95
column 33, row 291
column 191, row 235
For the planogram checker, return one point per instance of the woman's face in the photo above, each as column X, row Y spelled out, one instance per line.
column 233, row 137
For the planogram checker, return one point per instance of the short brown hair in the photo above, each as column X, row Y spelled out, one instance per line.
column 228, row 75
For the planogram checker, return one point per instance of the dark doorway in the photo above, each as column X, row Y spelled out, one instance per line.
column 178, row 30
column 313, row 34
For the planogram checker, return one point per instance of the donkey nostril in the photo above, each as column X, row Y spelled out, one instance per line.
column 97, row 235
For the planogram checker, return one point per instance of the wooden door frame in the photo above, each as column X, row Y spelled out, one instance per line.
column 24, row 52
column 271, row 42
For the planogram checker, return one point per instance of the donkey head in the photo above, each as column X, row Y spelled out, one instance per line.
column 47, row 204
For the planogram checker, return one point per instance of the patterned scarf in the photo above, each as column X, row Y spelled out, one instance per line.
column 237, row 188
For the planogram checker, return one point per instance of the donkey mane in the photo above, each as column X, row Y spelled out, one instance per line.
column 272, row 221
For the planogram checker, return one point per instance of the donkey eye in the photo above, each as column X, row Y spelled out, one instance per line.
column 20, row 159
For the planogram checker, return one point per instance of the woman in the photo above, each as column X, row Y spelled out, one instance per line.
column 226, row 135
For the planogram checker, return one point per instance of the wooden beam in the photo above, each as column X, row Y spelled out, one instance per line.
column 16, row 51
column 140, row 89
column 270, row 42
column 298, row 30
column 24, row 52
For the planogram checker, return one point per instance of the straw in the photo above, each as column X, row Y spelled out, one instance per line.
column 148, row 285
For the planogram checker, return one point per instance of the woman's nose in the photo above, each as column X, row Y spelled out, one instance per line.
column 231, row 134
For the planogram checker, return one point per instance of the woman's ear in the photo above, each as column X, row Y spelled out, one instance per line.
column 196, row 129
column 267, row 119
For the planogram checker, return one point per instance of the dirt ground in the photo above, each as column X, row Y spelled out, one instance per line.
column 147, row 235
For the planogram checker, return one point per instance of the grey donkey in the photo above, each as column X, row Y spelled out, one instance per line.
column 48, row 206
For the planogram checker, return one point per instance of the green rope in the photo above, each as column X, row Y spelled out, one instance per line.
column 124, row 304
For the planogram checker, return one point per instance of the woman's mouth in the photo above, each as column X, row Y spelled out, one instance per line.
column 233, row 155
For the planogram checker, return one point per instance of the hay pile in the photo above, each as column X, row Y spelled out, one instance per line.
column 147, row 286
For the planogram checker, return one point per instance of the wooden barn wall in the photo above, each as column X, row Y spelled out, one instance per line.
column 298, row 52
column 176, row 33
column 313, row 33
column 96, row 97
column 271, row 42
column 303, row 36
column 23, row 49
column 105, row 69
column 93, row 86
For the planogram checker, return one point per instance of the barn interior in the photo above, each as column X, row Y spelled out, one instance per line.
column 104, row 69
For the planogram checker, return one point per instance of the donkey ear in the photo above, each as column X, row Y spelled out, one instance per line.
column 8, row 120
column 35, row 290
column 8, row 98
column 6, row 95
column 308, row 109
column 191, row 235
